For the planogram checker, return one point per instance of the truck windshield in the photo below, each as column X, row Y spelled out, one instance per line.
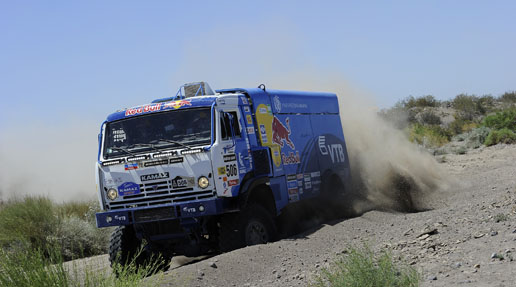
column 153, row 132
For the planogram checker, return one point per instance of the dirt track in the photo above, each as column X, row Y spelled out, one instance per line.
column 451, row 244
column 459, row 253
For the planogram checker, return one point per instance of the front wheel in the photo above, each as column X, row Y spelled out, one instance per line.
column 127, row 254
column 254, row 225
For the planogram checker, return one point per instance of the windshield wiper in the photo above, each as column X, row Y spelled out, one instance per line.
column 174, row 142
column 145, row 145
column 122, row 149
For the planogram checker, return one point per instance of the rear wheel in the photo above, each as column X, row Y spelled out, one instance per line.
column 252, row 226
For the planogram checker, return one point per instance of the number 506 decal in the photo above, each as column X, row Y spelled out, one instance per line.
column 231, row 170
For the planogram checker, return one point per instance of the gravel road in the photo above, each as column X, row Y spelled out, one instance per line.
column 467, row 237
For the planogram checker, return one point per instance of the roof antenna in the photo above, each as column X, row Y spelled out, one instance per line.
column 262, row 86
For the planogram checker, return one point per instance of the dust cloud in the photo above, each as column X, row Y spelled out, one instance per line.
column 388, row 171
column 49, row 160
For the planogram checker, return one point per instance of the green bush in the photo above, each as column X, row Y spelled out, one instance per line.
column 430, row 118
column 460, row 125
column 500, row 120
column 363, row 268
column 429, row 136
column 35, row 267
column 37, row 222
column 508, row 97
column 504, row 135
column 29, row 220
column 468, row 107
column 420, row 102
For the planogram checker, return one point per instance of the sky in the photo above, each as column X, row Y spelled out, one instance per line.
column 65, row 65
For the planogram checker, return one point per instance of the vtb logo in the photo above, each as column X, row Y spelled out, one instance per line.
column 336, row 151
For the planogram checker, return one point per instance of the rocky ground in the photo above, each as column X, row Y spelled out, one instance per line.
column 466, row 238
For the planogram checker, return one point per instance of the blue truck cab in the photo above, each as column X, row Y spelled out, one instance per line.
column 208, row 171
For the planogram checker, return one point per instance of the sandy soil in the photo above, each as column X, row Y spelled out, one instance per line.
column 467, row 237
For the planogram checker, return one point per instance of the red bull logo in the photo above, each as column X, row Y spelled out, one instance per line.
column 178, row 104
column 281, row 133
column 144, row 109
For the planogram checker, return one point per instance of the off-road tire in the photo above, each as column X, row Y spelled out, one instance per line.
column 251, row 226
column 124, row 245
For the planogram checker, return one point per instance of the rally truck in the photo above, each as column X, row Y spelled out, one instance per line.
column 210, row 171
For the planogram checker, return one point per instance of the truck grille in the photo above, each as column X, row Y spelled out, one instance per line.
column 159, row 193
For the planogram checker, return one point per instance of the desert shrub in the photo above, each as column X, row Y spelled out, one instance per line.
column 467, row 106
column 429, row 136
column 79, row 238
column 504, row 135
column 460, row 125
column 420, row 102
column 33, row 267
column 508, row 97
column 486, row 103
column 500, row 120
column 430, row 118
column 360, row 267
column 29, row 220
column 36, row 222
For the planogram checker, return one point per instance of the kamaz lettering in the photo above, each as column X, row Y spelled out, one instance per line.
column 205, row 171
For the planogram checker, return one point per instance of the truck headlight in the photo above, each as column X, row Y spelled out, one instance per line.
column 112, row 194
column 203, row 182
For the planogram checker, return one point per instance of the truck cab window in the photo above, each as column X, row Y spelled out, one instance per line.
column 225, row 125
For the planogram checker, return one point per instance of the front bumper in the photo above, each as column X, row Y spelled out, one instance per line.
column 180, row 210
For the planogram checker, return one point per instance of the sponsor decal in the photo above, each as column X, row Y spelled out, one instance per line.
column 281, row 133
column 154, row 176
column 246, row 109
column 336, row 151
column 128, row 188
column 144, row 109
column 177, row 104
column 189, row 209
column 221, row 170
column 263, row 133
column 176, row 160
column 263, row 110
column 233, row 182
column 118, row 135
column 244, row 101
column 131, row 166
column 315, row 174
column 293, row 194
column 308, row 181
column 277, row 103
column 155, row 162
column 180, row 182
column 291, row 177
column 229, row 157
column 249, row 119
column 295, row 105
column 291, row 184
column 110, row 181
column 241, row 160
column 291, row 158
column 250, row 130
column 299, row 176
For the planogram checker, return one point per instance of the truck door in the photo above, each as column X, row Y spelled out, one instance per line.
column 231, row 161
